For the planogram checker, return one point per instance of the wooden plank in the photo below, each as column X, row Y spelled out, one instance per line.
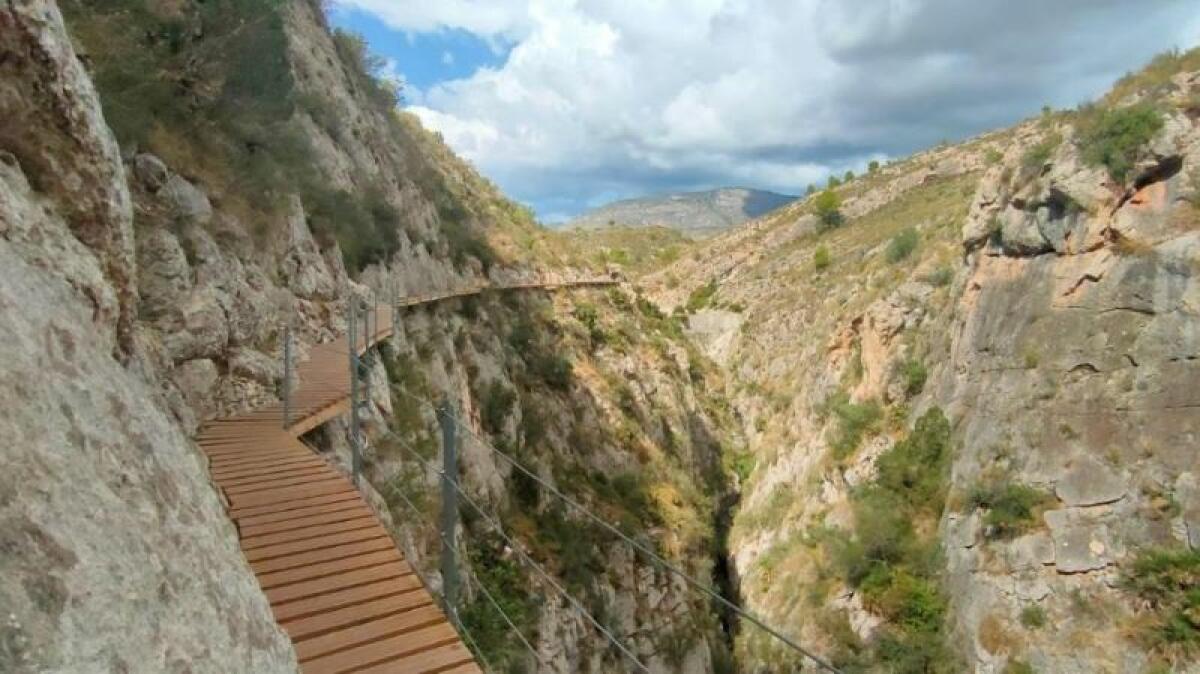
column 280, row 596
column 388, row 649
column 388, row 625
column 311, row 606
column 443, row 657
column 382, row 542
column 342, row 619
column 270, row 580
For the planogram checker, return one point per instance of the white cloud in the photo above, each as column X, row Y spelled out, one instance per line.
column 612, row 97
column 447, row 58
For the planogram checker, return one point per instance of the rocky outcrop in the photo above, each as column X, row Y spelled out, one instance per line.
column 115, row 553
column 55, row 133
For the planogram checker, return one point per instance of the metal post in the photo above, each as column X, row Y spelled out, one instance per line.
column 287, row 376
column 449, row 509
column 355, row 445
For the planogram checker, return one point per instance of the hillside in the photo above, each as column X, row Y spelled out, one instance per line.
column 181, row 181
column 967, row 382
column 696, row 214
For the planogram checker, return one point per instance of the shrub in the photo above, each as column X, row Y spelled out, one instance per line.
column 893, row 562
column 942, row 276
column 497, row 405
column 508, row 585
column 902, row 245
column 853, row 422
column 1115, row 138
column 992, row 156
column 849, row 176
column 810, row 190
column 555, row 370
column 821, row 258
column 1168, row 580
column 827, row 205
column 701, row 297
column 1036, row 157
column 1012, row 509
column 1033, row 616
column 1018, row 667
column 914, row 374
column 873, row 166
column 832, row 182
column 915, row 469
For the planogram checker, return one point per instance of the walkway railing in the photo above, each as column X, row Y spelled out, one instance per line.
column 452, row 492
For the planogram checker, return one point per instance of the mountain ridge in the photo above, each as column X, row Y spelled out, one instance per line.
column 698, row 214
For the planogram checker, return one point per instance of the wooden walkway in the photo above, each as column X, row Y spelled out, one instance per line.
column 334, row 578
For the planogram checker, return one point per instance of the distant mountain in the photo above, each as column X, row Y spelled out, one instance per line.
column 696, row 214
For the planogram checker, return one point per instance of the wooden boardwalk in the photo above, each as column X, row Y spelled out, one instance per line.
column 332, row 574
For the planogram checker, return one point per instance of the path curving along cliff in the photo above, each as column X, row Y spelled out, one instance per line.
column 335, row 580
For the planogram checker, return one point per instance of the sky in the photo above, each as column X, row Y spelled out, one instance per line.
column 570, row 104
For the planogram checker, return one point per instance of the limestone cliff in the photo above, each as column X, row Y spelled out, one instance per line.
column 1035, row 287
column 254, row 177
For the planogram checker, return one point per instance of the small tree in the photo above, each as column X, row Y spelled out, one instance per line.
column 1115, row 138
column 873, row 166
column 828, row 204
column 848, row 177
column 821, row 258
column 832, row 182
column 810, row 190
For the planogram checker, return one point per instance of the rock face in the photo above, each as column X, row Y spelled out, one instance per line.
column 1048, row 309
column 115, row 553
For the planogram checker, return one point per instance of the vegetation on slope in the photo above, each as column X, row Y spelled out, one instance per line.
column 210, row 88
column 559, row 398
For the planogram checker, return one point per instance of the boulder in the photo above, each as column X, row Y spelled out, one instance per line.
column 164, row 275
column 196, row 380
column 197, row 328
column 1090, row 482
column 151, row 171
column 187, row 203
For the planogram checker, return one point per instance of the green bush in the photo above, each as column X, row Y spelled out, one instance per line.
column 827, row 205
column 1036, row 157
column 508, row 585
column 915, row 469
column 1033, row 616
column 821, row 258
column 854, row 420
column 893, row 558
column 903, row 244
column 872, row 166
column 497, row 406
column 701, row 297
column 1012, row 509
column 942, row 276
column 553, row 369
column 1168, row 580
column 914, row 374
column 992, row 156
column 1115, row 138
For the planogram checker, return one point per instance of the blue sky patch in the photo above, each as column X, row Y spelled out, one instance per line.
column 424, row 59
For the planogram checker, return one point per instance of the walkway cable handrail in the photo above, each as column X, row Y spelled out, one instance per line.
column 519, row 550
column 391, row 487
column 658, row 559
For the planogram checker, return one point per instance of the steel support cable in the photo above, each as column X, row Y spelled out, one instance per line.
column 639, row 546
column 499, row 529
column 458, row 624
column 393, row 488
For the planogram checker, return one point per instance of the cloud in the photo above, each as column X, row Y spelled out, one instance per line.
column 602, row 99
column 447, row 58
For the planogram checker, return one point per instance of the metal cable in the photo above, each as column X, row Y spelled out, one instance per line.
column 394, row 488
column 637, row 545
column 453, row 614
column 499, row 529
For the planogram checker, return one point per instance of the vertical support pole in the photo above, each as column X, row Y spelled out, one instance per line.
column 287, row 376
column 355, row 444
column 449, row 509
